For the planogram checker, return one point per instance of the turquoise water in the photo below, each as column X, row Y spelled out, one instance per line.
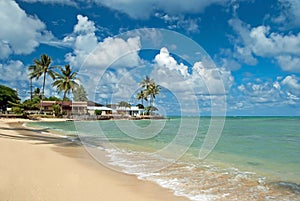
column 256, row 158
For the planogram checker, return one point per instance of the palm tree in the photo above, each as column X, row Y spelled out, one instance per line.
column 65, row 81
column 146, row 82
column 42, row 68
column 142, row 96
column 152, row 91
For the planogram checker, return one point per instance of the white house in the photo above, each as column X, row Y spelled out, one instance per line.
column 132, row 111
column 104, row 110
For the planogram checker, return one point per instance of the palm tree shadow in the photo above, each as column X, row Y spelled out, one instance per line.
column 37, row 137
column 25, row 129
column 42, row 136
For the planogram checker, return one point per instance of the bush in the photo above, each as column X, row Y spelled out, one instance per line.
column 56, row 109
column 98, row 112
column 17, row 110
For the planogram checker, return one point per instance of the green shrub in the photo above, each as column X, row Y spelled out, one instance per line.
column 98, row 112
column 17, row 110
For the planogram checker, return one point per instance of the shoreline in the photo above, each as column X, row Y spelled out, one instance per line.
column 49, row 167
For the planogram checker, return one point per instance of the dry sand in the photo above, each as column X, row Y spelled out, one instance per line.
column 38, row 167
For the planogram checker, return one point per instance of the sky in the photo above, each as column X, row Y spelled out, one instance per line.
column 210, row 57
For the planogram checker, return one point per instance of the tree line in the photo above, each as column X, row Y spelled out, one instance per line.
column 65, row 80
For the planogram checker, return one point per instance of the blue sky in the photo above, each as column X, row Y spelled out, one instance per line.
column 254, row 49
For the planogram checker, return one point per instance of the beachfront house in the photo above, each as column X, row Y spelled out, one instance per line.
column 48, row 107
column 69, row 107
column 92, row 110
column 79, row 108
column 130, row 111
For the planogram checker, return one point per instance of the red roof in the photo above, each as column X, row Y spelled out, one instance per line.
column 50, row 103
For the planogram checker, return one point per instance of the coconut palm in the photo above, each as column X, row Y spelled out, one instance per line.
column 65, row 81
column 42, row 68
column 142, row 95
column 146, row 82
column 152, row 90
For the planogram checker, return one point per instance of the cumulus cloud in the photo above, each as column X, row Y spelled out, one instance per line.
column 260, row 41
column 14, row 74
column 201, row 85
column 289, row 16
column 143, row 9
column 92, row 57
column 292, row 84
column 88, row 51
column 13, row 70
column 270, row 44
column 164, row 60
column 201, row 80
column 277, row 93
column 289, row 63
column 20, row 33
column 258, row 92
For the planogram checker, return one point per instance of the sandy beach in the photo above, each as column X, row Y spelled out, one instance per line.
column 37, row 166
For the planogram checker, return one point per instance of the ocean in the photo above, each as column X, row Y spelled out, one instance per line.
column 255, row 158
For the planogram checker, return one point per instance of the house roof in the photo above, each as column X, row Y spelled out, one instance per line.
column 132, row 108
column 81, row 104
column 91, row 103
column 50, row 103
column 103, row 108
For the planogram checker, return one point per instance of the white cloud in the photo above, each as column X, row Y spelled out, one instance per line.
column 19, row 33
column 114, row 50
column 241, row 53
column 91, row 53
column 260, row 41
column 180, row 22
column 84, row 25
column 63, row 2
column 92, row 57
column 255, row 93
column 13, row 70
column 164, row 60
column 289, row 16
column 292, row 84
column 289, row 63
column 260, row 92
column 143, row 9
column 272, row 44
column 14, row 74
column 201, row 80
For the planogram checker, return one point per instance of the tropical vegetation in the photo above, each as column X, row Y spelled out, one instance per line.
column 42, row 67
column 148, row 93
column 8, row 97
column 65, row 81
